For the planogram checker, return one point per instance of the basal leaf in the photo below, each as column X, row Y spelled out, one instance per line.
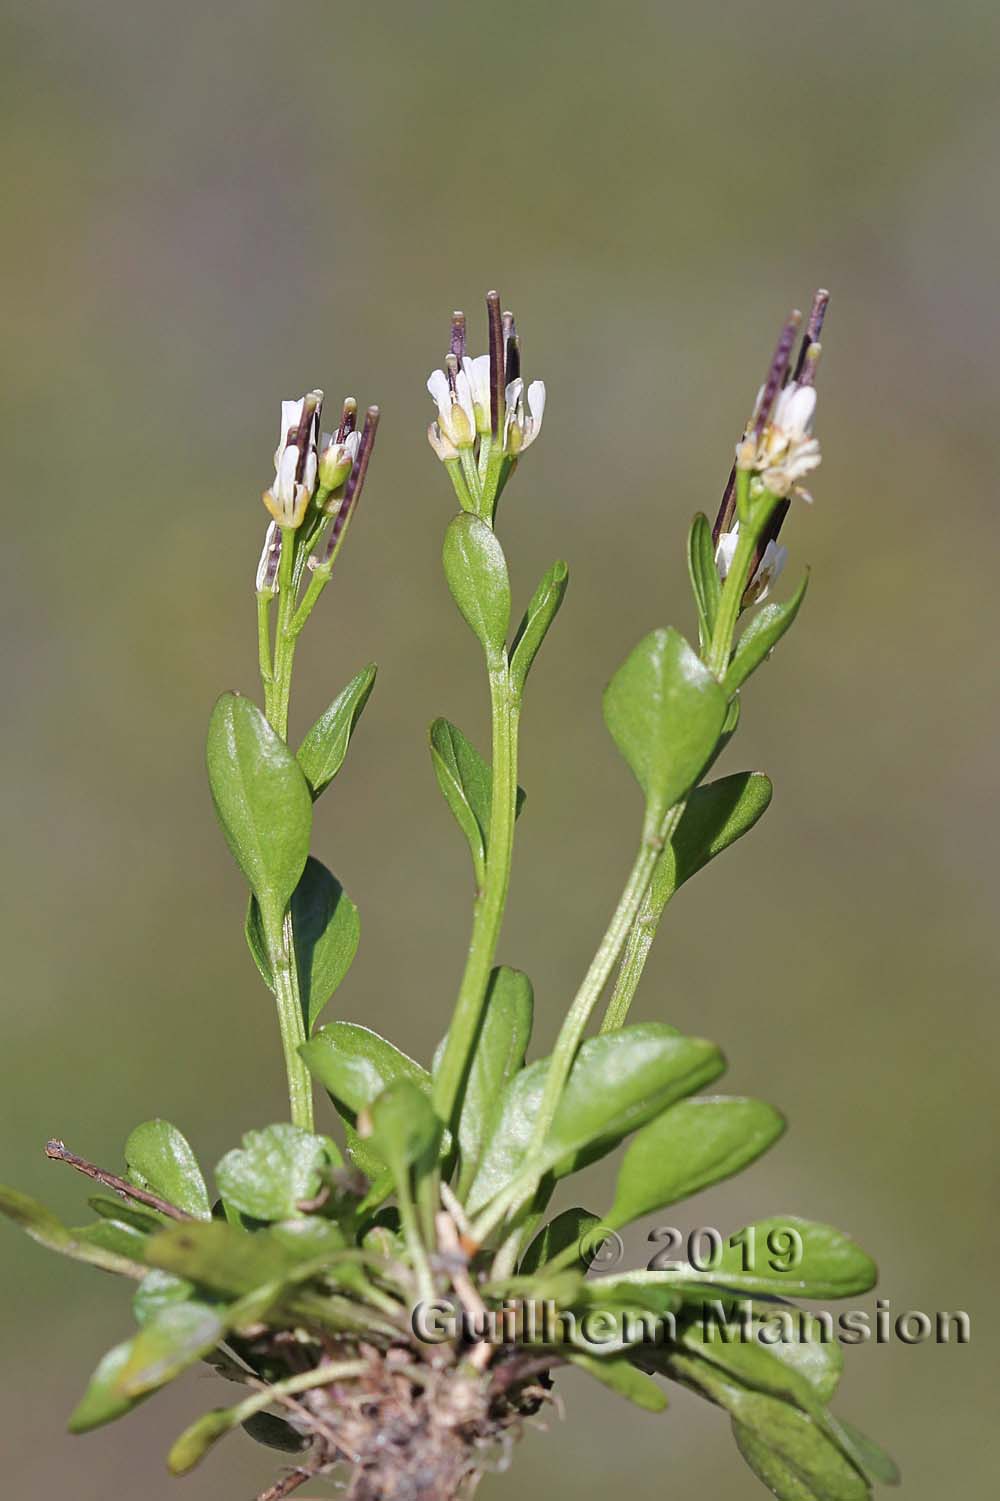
column 761, row 637
column 104, row 1401
column 690, row 1146
column 476, row 570
column 618, row 1082
column 42, row 1225
column 174, row 1338
column 665, row 712
column 159, row 1290
column 262, row 799
column 404, row 1128
column 160, row 1160
column 273, row 1171
column 787, row 1256
column 327, row 930
column 115, row 1236
column 566, row 1230
column 618, row 1374
column 221, row 1257
column 322, row 752
column 867, row 1454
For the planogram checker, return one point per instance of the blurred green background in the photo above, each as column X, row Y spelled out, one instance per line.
column 213, row 207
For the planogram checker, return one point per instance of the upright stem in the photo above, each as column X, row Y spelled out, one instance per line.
column 490, row 900
column 646, row 921
column 278, row 932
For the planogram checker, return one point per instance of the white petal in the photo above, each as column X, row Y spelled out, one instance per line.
column 725, row 550
column 536, row 401
column 437, row 385
column 512, row 395
column 291, row 416
column 477, row 371
column 795, row 408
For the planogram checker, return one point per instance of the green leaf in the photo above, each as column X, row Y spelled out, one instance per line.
column 273, row 1171
column 42, row 1225
column 617, row 1083
column 173, row 1339
column 322, row 752
column 714, row 817
column 538, row 617
column 262, row 799
column 501, row 1043
column 354, row 1065
column 567, row 1229
column 782, row 1445
column 665, row 712
column 705, row 582
column 222, row 1257
column 779, row 1369
column 761, row 636
column 159, row 1290
column 476, row 570
column 404, row 1127
column 467, row 784
column 160, row 1160
column 690, row 1146
column 792, row 1257
column 113, row 1235
column 110, row 1208
column 104, row 1401
column 618, row 1374
column 867, row 1454
column 327, row 930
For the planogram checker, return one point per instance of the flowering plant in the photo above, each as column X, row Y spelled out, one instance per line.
column 394, row 1305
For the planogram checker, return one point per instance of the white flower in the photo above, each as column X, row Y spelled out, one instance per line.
column 767, row 571
column 477, row 370
column 456, row 424
column 786, row 451
column 291, row 492
column 521, row 430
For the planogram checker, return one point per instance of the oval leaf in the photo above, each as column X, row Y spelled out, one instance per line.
column 221, row 1257
column 273, row 1171
column 160, row 1160
column 104, row 1401
column 262, row 799
column 665, row 712
column 690, row 1146
column 326, row 930
column 618, row 1082
column 322, row 752
column 538, row 617
column 823, row 1262
column 173, row 1339
column 761, row 637
column 476, row 570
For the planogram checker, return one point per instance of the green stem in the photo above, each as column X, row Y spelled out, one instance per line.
column 411, row 1235
column 647, row 919
column 491, row 899
column 291, row 1024
column 276, row 676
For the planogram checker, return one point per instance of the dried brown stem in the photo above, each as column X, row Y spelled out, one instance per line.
column 58, row 1152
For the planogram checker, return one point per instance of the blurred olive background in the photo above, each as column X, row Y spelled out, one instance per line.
column 214, row 207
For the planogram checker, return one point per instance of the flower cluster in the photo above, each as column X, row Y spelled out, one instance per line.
column 777, row 451
column 486, row 416
column 308, row 464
